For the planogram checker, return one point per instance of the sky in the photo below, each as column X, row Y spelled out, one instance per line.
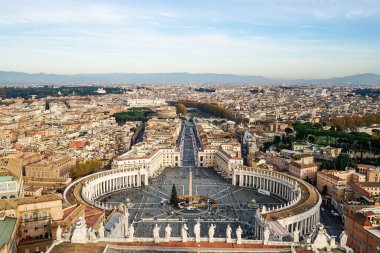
column 271, row 38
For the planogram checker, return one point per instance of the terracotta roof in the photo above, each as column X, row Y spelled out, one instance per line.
column 7, row 204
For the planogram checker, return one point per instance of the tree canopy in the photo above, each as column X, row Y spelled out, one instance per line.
column 174, row 197
column 85, row 168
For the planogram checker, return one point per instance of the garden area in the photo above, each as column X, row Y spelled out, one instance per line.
column 133, row 114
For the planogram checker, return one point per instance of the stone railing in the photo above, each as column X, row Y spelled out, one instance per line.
column 300, row 212
column 292, row 191
column 103, row 183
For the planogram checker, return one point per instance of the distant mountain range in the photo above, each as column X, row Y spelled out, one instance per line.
column 173, row 78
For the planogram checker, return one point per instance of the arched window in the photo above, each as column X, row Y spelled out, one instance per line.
column 35, row 216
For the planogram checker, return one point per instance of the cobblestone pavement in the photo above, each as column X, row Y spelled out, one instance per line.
column 148, row 207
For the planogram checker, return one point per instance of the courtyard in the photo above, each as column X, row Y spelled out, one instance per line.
column 150, row 207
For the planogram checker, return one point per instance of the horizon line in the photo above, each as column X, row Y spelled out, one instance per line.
column 191, row 73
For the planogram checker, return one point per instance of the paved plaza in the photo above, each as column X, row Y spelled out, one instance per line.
column 149, row 207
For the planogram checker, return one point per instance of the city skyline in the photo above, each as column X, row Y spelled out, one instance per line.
column 291, row 39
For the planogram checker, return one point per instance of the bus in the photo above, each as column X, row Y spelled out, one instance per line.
column 264, row 192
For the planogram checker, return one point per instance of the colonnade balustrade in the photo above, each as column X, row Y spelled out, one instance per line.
column 270, row 181
column 290, row 216
column 111, row 181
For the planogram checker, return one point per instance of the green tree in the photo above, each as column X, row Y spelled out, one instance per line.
column 277, row 139
column 343, row 161
column 288, row 130
column 181, row 108
column 174, row 197
column 84, row 168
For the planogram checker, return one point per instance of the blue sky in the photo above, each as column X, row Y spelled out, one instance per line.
column 273, row 38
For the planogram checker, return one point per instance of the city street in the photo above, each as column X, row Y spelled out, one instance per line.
column 188, row 145
column 333, row 225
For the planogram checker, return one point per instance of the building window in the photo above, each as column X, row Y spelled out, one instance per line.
column 35, row 216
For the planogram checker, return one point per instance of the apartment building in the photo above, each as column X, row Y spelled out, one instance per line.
column 143, row 155
column 11, row 179
column 304, row 168
column 54, row 167
column 363, row 230
column 330, row 178
column 218, row 149
column 157, row 150
column 35, row 214
column 7, row 137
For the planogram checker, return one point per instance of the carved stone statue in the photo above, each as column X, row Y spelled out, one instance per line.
column 120, row 207
column 101, row 230
column 266, row 235
column 343, row 239
column 211, row 232
column 228, row 233
column 184, row 232
column 59, row 233
column 126, row 227
column 263, row 209
column 296, row 235
column 239, row 232
column 131, row 233
column 332, row 242
column 197, row 231
column 156, row 233
column 80, row 232
column 92, row 235
column 168, row 232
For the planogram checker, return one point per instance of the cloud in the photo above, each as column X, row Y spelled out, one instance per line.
column 269, row 37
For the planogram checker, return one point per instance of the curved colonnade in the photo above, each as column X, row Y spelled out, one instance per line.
column 110, row 181
column 300, row 213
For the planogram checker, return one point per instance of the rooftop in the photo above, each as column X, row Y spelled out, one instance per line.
column 6, row 227
column 7, row 204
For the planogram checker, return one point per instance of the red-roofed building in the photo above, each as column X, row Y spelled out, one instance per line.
column 78, row 143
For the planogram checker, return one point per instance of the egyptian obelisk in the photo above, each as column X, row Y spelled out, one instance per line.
column 191, row 187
